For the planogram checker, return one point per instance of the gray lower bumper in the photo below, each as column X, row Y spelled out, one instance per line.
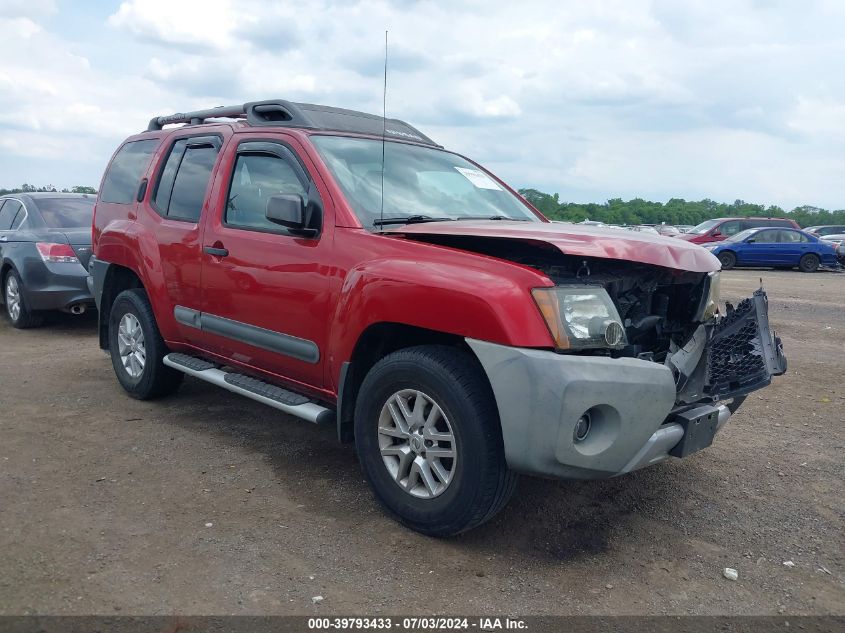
column 541, row 395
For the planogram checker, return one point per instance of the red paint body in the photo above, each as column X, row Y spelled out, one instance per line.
column 329, row 290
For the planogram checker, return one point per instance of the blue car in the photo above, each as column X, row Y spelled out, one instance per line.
column 775, row 247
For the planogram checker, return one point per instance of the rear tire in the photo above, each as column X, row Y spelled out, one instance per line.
column 20, row 316
column 728, row 260
column 137, row 349
column 809, row 263
column 404, row 445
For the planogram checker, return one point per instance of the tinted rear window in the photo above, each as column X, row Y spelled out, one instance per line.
column 66, row 213
column 181, row 188
column 124, row 174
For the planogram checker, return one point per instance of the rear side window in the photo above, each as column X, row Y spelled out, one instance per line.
column 792, row 236
column 124, row 174
column 7, row 214
column 181, row 188
column 19, row 218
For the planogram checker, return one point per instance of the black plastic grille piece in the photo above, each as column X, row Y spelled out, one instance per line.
column 736, row 355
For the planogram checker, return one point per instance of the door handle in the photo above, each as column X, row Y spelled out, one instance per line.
column 217, row 252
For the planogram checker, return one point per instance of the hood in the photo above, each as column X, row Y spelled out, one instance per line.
column 577, row 239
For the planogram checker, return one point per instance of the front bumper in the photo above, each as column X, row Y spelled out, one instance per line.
column 641, row 412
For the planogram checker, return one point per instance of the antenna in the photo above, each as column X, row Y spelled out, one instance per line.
column 383, row 124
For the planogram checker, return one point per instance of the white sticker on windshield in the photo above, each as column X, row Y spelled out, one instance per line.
column 479, row 178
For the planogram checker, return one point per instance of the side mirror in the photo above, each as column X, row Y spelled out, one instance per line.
column 716, row 233
column 750, row 240
column 288, row 210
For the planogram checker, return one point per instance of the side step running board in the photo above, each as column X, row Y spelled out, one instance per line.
column 271, row 395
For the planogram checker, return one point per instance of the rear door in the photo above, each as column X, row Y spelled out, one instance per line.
column 266, row 290
column 792, row 245
column 762, row 251
column 180, row 184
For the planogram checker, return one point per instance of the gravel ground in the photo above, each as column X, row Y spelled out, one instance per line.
column 207, row 503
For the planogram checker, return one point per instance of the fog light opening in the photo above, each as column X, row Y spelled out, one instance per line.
column 582, row 427
column 613, row 334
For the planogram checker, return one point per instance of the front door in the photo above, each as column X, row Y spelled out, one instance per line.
column 266, row 290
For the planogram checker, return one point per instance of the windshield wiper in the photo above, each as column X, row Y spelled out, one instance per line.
column 410, row 219
column 491, row 217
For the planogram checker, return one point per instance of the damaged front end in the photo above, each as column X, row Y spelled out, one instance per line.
column 728, row 357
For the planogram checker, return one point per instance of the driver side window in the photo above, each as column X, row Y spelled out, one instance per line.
column 255, row 179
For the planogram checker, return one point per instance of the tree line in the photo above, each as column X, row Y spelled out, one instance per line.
column 675, row 211
column 25, row 188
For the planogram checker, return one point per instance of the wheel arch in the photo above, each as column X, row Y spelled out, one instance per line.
column 375, row 342
column 731, row 252
column 117, row 279
column 5, row 267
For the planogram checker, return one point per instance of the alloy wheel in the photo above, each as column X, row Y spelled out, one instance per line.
column 130, row 339
column 13, row 297
column 417, row 443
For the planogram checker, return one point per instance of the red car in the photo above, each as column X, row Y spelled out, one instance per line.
column 720, row 229
column 348, row 270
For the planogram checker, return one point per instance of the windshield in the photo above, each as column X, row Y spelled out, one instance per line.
column 418, row 181
column 742, row 235
column 702, row 228
column 66, row 213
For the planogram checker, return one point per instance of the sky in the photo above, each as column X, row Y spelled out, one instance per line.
column 720, row 99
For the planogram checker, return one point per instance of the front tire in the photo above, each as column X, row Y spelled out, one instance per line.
column 20, row 316
column 428, row 437
column 728, row 260
column 137, row 349
column 809, row 263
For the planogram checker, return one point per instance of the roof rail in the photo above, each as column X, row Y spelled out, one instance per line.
column 270, row 112
column 281, row 113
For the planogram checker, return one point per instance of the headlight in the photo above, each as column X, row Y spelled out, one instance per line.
column 711, row 306
column 580, row 317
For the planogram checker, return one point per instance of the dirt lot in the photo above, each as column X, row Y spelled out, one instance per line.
column 105, row 502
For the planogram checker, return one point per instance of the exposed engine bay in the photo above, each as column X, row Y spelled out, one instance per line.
column 669, row 316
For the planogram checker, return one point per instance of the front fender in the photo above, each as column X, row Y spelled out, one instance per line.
column 470, row 299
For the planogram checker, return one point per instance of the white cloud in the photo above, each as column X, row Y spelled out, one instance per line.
column 720, row 98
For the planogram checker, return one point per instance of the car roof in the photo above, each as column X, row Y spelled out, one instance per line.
column 753, row 217
column 42, row 195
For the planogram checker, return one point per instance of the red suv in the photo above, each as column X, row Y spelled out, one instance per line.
column 349, row 271
column 722, row 228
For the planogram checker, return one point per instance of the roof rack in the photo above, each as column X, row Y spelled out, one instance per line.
column 281, row 113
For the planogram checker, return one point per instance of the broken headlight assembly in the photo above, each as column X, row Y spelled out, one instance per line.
column 580, row 317
column 710, row 306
